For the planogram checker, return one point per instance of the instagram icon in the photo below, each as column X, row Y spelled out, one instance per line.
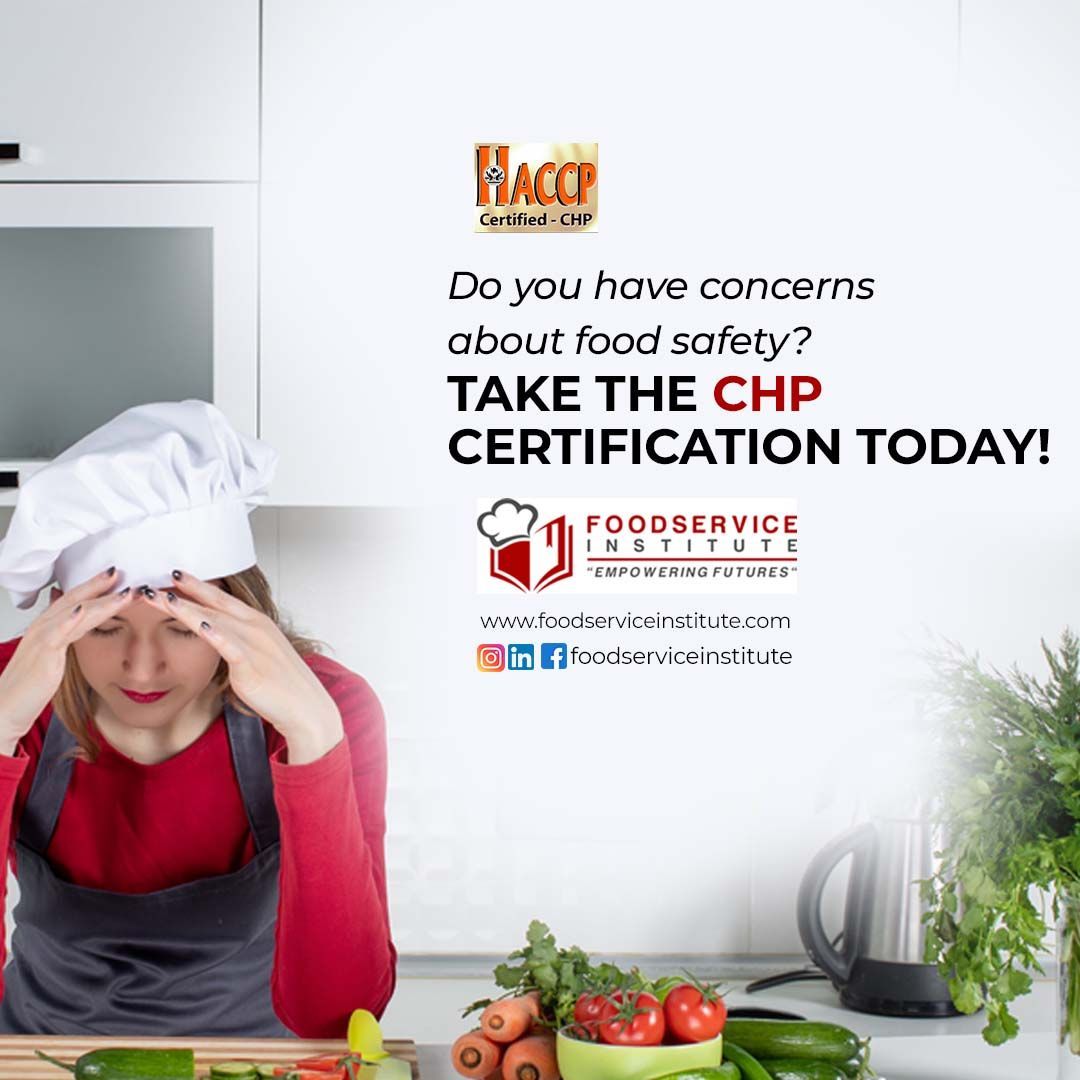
column 490, row 657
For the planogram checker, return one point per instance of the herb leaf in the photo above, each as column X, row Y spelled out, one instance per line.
column 561, row 976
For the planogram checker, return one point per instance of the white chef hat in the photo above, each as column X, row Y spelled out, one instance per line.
column 164, row 485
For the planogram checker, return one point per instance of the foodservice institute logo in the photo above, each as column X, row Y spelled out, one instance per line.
column 632, row 544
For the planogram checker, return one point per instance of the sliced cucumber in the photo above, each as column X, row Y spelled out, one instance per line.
column 234, row 1070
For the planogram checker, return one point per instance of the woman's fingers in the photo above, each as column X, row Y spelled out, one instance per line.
column 90, row 588
column 62, row 604
column 65, row 609
column 87, row 614
column 215, row 627
column 211, row 596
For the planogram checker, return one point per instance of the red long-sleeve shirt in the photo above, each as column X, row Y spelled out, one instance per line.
column 134, row 828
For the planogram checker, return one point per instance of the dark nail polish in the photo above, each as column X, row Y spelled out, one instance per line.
column 205, row 625
column 171, row 596
column 76, row 609
column 147, row 592
column 110, row 571
column 124, row 591
column 177, row 575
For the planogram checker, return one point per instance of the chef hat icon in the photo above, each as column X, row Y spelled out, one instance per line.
column 507, row 521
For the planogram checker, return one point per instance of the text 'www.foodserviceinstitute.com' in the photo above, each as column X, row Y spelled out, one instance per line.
column 523, row 656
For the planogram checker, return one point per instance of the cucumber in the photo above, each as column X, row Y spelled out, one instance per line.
column 805, row 1040
column 265, row 1071
column 124, row 1064
column 728, row 1071
column 794, row 1069
column 234, row 1070
column 747, row 1064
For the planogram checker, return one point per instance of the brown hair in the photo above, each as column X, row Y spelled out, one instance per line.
column 73, row 701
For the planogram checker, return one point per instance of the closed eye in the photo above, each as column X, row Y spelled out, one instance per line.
column 116, row 630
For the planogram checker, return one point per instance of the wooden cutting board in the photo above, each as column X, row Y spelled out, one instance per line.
column 19, row 1062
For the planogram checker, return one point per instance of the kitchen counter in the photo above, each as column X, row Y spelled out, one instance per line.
column 895, row 1057
column 948, row 1049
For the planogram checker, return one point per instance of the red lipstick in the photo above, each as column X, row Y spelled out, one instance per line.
column 144, row 698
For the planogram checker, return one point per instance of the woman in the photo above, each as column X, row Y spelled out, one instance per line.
column 195, row 795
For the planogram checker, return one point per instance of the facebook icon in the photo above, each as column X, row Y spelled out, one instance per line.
column 520, row 657
column 553, row 654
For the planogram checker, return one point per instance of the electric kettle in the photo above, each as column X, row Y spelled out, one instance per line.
column 878, row 966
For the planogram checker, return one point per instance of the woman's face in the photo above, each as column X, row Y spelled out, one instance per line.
column 145, row 652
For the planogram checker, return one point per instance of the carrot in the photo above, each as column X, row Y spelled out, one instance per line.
column 475, row 1055
column 531, row 1058
column 506, row 1020
column 531, row 1001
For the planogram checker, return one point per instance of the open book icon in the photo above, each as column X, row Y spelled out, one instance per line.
column 532, row 563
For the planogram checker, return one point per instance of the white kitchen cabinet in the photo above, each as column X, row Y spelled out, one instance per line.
column 112, row 295
column 329, row 399
column 130, row 89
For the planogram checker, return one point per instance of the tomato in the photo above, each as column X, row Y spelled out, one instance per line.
column 632, row 1019
column 588, row 1012
column 589, row 1008
column 692, row 1016
column 323, row 1067
column 310, row 1072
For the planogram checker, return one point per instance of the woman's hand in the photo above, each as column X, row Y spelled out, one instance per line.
column 35, row 670
column 265, row 671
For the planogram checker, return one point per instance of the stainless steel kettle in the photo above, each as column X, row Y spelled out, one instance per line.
column 878, row 966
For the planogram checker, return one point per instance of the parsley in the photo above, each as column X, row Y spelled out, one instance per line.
column 1011, row 810
column 559, row 974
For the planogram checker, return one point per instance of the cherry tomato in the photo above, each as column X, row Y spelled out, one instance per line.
column 322, row 1063
column 692, row 1016
column 632, row 1019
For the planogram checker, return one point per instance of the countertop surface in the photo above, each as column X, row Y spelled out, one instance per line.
column 895, row 1057
column 950, row 1049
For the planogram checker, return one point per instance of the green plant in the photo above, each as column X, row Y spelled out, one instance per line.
column 1011, row 810
column 561, row 976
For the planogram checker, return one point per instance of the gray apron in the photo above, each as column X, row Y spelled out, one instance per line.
column 194, row 959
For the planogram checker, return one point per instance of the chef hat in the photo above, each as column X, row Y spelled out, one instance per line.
column 164, row 485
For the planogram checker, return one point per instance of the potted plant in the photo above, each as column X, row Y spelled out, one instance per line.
column 1011, row 811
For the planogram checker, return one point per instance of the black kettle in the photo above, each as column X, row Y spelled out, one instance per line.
column 878, row 966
